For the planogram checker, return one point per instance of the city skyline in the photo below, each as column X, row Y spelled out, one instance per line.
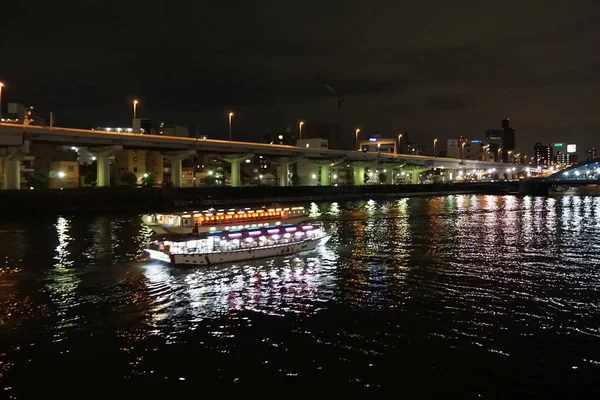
column 398, row 67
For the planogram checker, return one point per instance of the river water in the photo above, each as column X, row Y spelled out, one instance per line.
column 472, row 296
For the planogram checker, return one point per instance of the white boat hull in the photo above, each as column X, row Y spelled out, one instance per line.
column 185, row 230
column 239, row 255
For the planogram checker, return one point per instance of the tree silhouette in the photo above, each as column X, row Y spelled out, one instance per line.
column 129, row 179
column 148, row 180
column 295, row 179
column 90, row 178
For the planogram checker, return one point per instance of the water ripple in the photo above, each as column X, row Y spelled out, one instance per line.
column 467, row 290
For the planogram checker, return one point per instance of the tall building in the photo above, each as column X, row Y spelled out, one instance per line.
column 129, row 161
column 560, row 153
column 564, row 154
column 493, row 138
column 63, row 174
column 468, row 149
column 171, row 130
column 508, row 139
column 590, row 154
column 561, row 158
column 503, row 139
column 542, row 154
column 327, row 130
column 454, row 147
column 20, row 114
column 143, row 125
column 570, row 155
column 15, row 112
column 155, row 166
column 378, row 144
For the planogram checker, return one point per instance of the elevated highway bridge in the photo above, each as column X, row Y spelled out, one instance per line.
column 15, row 140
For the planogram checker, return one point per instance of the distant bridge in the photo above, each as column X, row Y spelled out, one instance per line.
column 581, row 174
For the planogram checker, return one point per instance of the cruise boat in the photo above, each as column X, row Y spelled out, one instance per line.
column 225, row 220
column 237, row 245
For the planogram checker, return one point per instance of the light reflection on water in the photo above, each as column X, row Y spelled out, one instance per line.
column 499, row 283
column 184, row 297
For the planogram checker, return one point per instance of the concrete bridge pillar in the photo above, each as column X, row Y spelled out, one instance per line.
column 389, row 176
column 284, row 170
column 359, row 173
column 176, row 157
column 414, row 179
column 11, row 157
column 324, row 170
column 102, row 171
column 102, row 155
column 176, row 171
column 414, row 174
column 235, row 161
column 12, row 173
column 389, row 173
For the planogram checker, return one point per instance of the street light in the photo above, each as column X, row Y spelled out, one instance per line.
column 400, row 143
column 508, row 159
column 230, row 116
column 135, row 103
column 462, row 150
column 1, row 86
column 434, row 143
column 300, row 128
column 357, row 131
column 499, row 151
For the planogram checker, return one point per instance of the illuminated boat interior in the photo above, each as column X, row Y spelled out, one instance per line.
column 233, row 240
column 247, row 218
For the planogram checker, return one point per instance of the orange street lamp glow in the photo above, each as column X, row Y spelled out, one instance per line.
column 300, row 128
column 357, row 132
column 399, row 151
column 230, row 117
column 1, row 86
column 135, row 103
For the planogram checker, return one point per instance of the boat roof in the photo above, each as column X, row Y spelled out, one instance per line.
column 212, row 211
column 181, row 237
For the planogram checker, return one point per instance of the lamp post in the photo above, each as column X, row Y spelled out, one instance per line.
column 135, row 103
column 508, row 159
column 230, row 117
column 1, row 86
column 462, row 150
column 400, row 143
column 434, row 143
column 499, row 151
column 356, row 133
column 300, row 128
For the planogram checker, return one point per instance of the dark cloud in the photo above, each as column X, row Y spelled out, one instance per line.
column 449, row 102
column 433, row 66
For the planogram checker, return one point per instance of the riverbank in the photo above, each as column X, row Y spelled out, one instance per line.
column 97, row 200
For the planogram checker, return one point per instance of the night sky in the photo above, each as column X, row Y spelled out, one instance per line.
column 430, row 68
